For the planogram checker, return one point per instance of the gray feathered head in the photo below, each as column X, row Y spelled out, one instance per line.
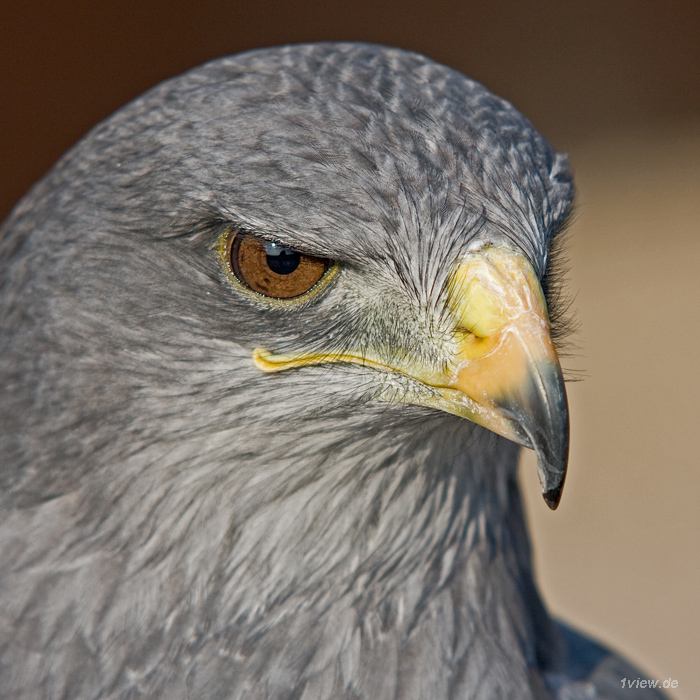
column 428, row 201
column 259, row 331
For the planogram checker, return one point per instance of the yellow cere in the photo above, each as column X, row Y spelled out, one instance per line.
column 491, row 288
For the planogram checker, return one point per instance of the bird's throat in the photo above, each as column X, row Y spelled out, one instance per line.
column 409, row 547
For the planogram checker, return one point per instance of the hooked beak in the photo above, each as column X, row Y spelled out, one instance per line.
column 507, row 362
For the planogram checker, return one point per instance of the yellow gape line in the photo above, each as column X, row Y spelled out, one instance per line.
column 269, row 362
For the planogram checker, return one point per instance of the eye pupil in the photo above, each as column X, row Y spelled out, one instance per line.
column 285, row 262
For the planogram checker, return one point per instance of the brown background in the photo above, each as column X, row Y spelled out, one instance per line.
column 614, row 83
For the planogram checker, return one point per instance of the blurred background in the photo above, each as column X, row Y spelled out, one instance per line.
column 614, row 84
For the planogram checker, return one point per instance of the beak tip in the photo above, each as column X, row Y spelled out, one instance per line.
column 552, row 480
column 553, row 496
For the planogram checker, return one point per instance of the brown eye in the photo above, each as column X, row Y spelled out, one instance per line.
column 273, row 269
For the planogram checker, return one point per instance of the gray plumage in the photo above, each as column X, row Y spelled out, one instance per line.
column 176, row 523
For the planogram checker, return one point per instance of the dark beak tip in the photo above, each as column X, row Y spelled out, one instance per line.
column 553, row 496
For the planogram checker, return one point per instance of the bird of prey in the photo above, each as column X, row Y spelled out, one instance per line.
column 272, row 336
